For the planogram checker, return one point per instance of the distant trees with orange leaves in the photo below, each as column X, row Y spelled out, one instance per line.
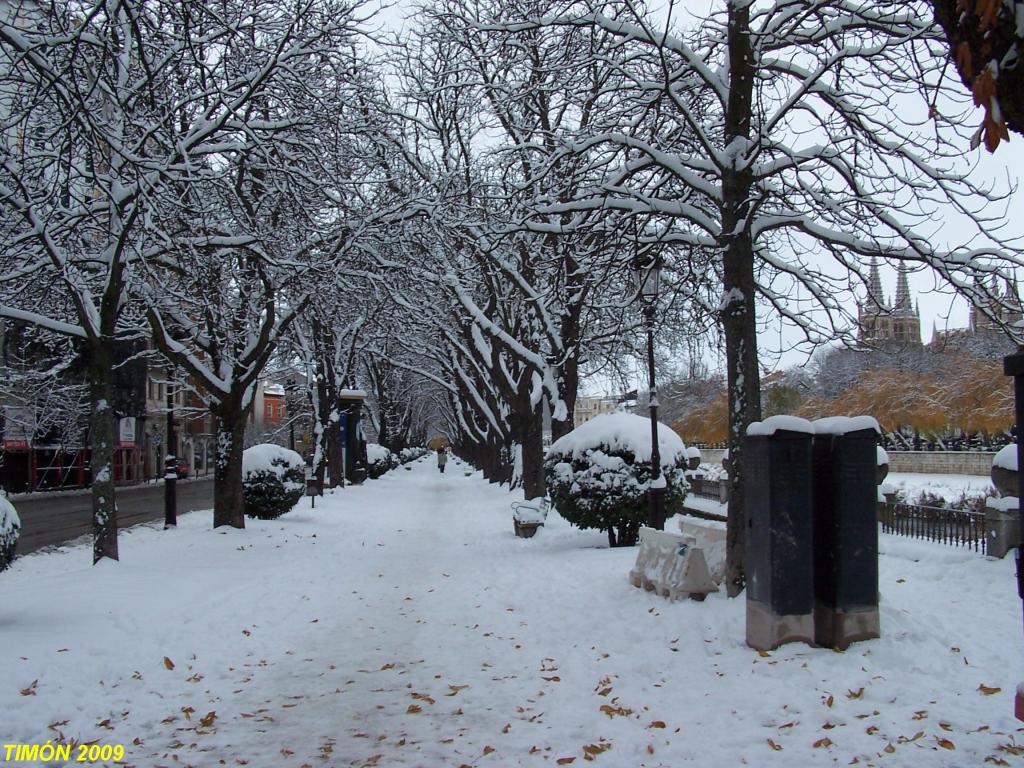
column 935, row 394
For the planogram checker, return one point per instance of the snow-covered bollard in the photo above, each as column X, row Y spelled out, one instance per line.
column 528, row 516
column 1002, row 515
column 10, row 529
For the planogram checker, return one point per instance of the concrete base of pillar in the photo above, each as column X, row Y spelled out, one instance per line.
column 838, row 629
column 767, row 630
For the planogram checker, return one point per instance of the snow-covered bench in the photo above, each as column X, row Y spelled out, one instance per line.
column 671, row 565
column 710, row 537
column 528, row 516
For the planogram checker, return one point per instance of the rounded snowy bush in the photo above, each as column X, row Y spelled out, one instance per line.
column 379, row 460
column 599, row 474
column 273, row 480
column 411, row 454
column 10, row 529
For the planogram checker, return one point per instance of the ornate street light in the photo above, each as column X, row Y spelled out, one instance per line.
column 647, row 273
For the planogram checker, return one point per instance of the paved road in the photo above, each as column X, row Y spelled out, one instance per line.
column 58, row 518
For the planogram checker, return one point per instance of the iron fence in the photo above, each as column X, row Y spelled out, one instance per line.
column 955, row 527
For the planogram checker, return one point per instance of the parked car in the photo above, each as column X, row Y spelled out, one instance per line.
column 183, row 469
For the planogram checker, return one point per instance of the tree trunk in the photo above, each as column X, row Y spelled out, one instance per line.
column 228, row 504
column 332, row 436
column 533, row 455
column 739, row 319
column 102, row 436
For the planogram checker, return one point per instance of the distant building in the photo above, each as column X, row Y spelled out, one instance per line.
column 587, row 407
column 899, row 321
column 881, row 321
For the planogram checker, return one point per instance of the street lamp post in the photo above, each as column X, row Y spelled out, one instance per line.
column 171, row 463
column 648, row 274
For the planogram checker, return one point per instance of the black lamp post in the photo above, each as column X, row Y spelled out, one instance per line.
column 171, row 462
column 648, row 275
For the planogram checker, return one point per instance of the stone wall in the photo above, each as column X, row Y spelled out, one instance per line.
column 941, row 462
column 924, row 462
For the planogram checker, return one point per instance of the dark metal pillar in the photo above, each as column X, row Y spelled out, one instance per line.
column 656, row 495
column 171, row 465
column 1013, row 365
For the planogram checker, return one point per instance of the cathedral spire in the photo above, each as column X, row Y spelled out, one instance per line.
column 875, row 296
column 902, row 299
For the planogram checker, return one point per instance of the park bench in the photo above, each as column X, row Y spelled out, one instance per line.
column 528, row 516
column 672, row 565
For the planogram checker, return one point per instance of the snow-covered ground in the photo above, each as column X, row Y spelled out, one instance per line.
column 401, row 624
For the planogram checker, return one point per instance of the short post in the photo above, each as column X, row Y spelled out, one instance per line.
column 1013, row 365
column 312, row 490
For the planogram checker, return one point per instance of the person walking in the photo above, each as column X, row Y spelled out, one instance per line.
column 442, row 458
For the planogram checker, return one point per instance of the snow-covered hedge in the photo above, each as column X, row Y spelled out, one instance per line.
column 10, row 529
column 411, row 454
column 379, row 460
column 599, row 474
column 273, row 480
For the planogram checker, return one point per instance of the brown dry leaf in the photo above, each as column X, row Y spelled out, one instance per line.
column 773, row 745
column 787, row 725
column 507, row 728
column 656, row 724
column 855, row 694
column 829, row 726
column 488, row 749
column 921, row 714
column 207, row 720
column 105, row 724
column 187, row 712
column 455, row 689
column 650, row 750
column 889, row 748
column 592, row 750
column 389, row 665
column 604, row 691
column 168, row 663
column 763, row 654
column 945, row 743
column 565, row 760
column 552, row 679
column 829, row 701
column 988, row 691
column 285, row 752
column 613, row 711
column 31, row 690
column 872, row 730
column 414, row 709
column 995, row 760
column 423, row 697
column 825, row 742
column 56, row 725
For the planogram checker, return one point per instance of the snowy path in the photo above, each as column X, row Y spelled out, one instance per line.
column 402, row 624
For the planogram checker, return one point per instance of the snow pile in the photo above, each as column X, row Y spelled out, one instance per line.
column 10, row 529
column 881, row 457
column 268, row 457
column 599, row 475
column 379, row 460
column 620, row 433
column 1006, row 458
column 832, row 425
column 273, row 480
column 411, row 454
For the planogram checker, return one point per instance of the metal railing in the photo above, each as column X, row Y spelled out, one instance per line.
column 955, row 527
